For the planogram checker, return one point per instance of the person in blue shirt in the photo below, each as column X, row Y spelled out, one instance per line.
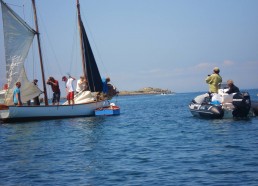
column 17, row 95
column 105, row 87
column 108, row 89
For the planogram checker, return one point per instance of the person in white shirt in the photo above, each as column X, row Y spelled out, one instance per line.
column 69, row 88
column 81, row 84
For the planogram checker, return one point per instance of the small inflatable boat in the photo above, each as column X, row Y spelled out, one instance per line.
column 222, row 105
column 110, row 110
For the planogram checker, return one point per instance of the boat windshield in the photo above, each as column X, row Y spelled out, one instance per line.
column 223, row 85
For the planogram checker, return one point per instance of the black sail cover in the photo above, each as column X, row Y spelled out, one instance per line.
column 92, row 71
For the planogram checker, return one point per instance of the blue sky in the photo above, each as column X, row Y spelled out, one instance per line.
column 170, row 44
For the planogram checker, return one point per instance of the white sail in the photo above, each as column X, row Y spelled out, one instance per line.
column 18, row 37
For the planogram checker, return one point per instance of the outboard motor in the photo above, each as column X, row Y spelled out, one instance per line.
column 242, row 103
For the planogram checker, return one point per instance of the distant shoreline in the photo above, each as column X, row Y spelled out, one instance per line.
column 141, row 94
column 146, row 91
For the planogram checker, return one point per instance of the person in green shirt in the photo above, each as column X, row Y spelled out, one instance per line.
column 213, row 80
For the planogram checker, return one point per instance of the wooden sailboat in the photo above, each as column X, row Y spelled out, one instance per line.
column 16, row 50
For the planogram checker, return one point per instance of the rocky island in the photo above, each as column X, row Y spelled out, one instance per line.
column 143, row 91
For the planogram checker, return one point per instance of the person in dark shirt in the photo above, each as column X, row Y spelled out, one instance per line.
column 56, row 90
column 36, row 99
column 232, row 87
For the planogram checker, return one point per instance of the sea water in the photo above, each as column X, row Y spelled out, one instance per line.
column 154, row 141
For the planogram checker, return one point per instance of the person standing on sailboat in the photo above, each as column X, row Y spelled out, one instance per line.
column 36, row 99
column 5, row 87
column 56, row 90
column 17, row 95
column 81, row 84
column 69, row 88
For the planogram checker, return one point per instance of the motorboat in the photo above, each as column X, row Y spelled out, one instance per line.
column 223, row 105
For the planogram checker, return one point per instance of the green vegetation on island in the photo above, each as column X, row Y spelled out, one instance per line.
column 148, row 90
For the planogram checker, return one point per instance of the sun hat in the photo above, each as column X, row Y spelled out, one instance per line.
column 216, row 69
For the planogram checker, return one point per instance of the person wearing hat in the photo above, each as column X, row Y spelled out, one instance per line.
column 232, row 87
column 214, row 80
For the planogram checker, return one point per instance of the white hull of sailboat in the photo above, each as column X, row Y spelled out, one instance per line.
column 14, row 113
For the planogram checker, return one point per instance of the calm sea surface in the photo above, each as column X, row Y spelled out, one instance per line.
column 155, row 141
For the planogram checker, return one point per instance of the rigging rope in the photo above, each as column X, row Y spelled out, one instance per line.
column 74, row 57
column 51, row 46
column 96, row 48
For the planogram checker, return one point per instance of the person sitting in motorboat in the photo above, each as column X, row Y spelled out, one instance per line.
column 232, row 87
column 213, row 80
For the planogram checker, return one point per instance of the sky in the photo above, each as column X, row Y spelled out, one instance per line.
column 169, row 44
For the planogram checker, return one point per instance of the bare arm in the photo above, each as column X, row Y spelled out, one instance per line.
column 18, row 96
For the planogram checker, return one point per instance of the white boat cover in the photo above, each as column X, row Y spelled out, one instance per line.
column 83, row 97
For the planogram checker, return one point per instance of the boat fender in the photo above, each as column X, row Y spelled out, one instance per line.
column 3, row 107
column 215, row 102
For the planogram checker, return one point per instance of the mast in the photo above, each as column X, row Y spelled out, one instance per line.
column 81, row 42
column 90, row 67
column 40, row 53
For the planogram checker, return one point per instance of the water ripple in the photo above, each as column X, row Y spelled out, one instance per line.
column 155, row 141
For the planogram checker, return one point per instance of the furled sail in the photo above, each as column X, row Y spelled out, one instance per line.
column 92, row 71
column 18, row 37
